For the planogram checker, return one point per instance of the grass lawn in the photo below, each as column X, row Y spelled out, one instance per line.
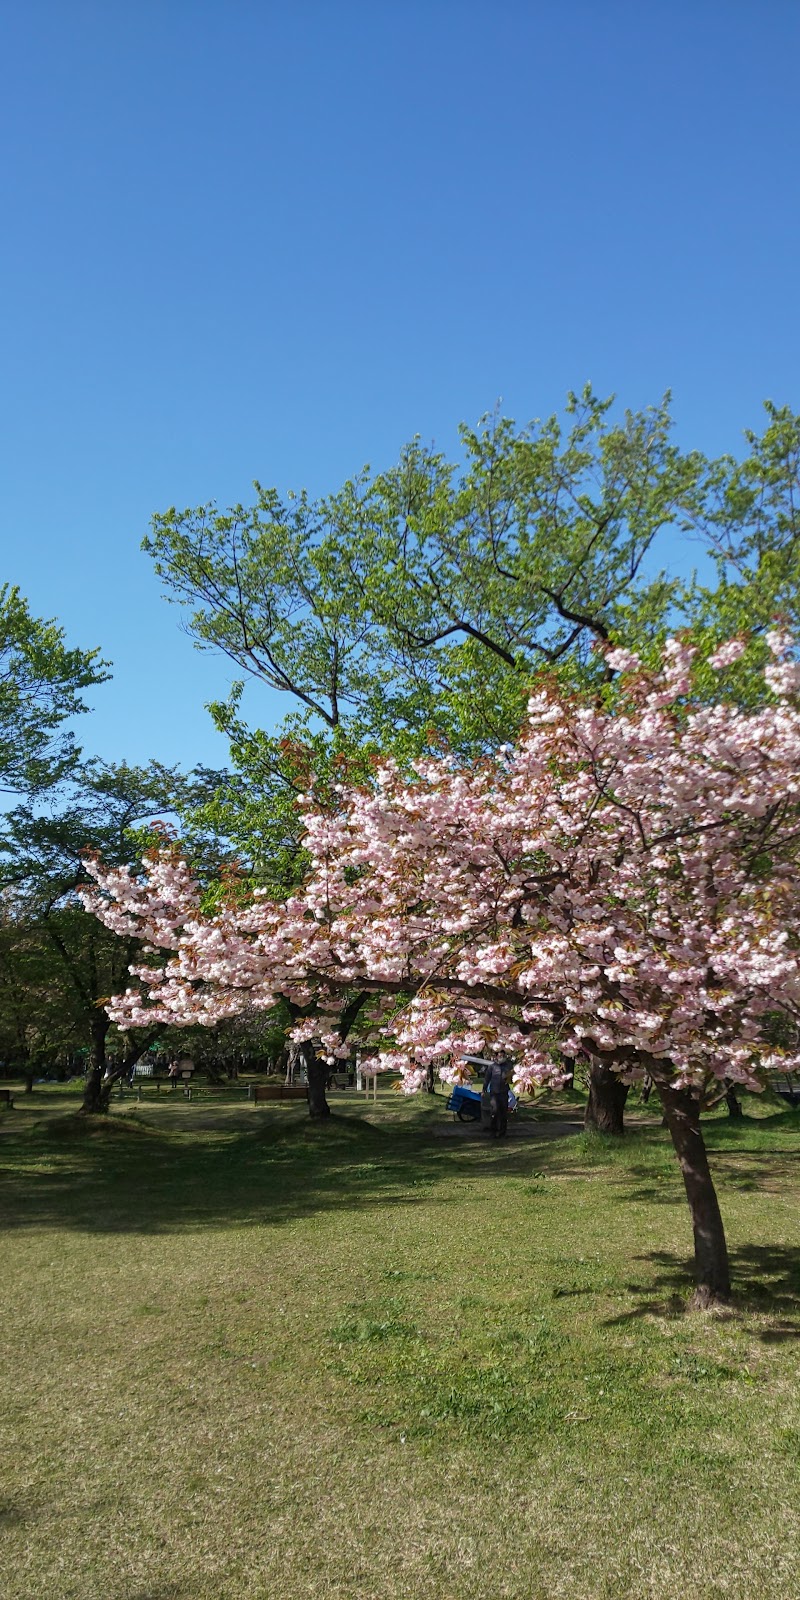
column 245, row 1356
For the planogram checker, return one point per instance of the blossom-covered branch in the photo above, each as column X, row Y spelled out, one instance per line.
column 622, row 883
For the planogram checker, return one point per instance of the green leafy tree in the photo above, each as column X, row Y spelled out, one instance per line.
column 748, row 517
column 421, row 601
column 40, row 1027
column 42, row 683
column 42, row 862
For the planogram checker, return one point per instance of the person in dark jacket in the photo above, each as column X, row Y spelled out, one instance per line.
column 495, row 1085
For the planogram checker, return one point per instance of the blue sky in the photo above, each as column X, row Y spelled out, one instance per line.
column 275, row 241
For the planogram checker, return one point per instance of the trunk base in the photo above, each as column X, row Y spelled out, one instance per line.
column 707, row 1299
column 606, row 1103
column 95, row 1101
column 317, row 1081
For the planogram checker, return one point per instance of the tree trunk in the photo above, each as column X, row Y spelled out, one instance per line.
column 606, row 1103
column 733, row 1103
column 317, row 1080
column 430, row 1084
column 95, row 1101
column 134, row 1050
column 712, row 1271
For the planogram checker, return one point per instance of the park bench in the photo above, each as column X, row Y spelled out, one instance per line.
column 7, row 1099
column 147, row 1074
column 786, row 1085
column 278, row 1091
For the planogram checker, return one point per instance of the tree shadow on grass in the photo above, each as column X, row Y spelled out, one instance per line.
column 766, row 1283
column 13, row 1512
column 119, row 1176
column 163, row 1591
column 642, row 1166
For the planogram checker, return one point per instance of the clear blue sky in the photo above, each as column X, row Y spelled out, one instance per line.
column 275, row 240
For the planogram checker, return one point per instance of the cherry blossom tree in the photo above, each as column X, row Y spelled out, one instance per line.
column 619, row 886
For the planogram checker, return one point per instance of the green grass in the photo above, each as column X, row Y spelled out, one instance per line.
column 244, row 1356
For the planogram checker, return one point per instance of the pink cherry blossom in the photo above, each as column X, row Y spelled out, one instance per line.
column 727, row 653
column 622, row 884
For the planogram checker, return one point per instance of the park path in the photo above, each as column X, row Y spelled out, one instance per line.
column 529, row 1128
column 541, row 1127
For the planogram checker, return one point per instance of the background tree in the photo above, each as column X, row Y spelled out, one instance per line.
column 422, row 601
column 40, row 1028
column 41, row 687
column 43, row 853
column 747, row 515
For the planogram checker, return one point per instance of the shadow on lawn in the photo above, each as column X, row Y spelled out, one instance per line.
column 112, row 1175
column 13, row 1512
column 766, row 1281
column 167, row 1591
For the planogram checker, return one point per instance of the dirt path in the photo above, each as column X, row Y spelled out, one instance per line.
column 527, row 1127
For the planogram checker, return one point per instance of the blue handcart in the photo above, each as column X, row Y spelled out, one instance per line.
column 466, row 1103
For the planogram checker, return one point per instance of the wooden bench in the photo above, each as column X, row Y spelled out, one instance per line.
column 7, row 1099
column 784, row 1084
column 279, row 1091
column 184, row 1076
column 142, row 1078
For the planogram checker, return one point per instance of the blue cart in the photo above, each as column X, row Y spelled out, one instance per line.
column 466, row 1103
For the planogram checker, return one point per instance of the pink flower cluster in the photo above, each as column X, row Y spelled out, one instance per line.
column 622, row 883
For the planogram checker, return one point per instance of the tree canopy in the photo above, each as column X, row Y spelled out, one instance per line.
column 42, row 683
column 424, row 598
column 52, row 950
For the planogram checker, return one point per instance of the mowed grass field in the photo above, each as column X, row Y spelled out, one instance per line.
column 244, row 1356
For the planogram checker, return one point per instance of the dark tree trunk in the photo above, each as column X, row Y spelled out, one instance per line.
column 317, row 1082
column 712, row 1271
column 733, row 1103
column 95, row 1099
column 101, row 1080
column 430, row 1084
column 107, row 1083
column 93, row 1093
column 23, row 1058
column 606, row 1103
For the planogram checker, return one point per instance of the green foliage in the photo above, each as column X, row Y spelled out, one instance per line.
column 266, row 586
column 40, row 1024
column 527, row 557
column 41, row 687
column 748, row 514
column 57, row 962
column 417, row 604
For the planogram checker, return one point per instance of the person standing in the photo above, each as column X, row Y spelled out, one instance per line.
column 495, row 1085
